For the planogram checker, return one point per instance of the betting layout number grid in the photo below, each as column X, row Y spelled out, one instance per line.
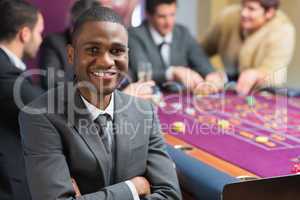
column 267, row 122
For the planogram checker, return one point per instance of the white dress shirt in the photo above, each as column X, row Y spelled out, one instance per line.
column 165, row 50
column 95, row 112
column 17, row 62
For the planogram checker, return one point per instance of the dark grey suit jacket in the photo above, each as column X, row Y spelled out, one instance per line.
column 60, row 145
column 13, row 184
column 185, row 51
column 53, row 55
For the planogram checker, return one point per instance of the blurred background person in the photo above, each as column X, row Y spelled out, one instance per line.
column 169, row 47
column 20, row 38
column 255, row 41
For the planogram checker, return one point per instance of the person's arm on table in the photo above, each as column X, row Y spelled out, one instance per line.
column 160, row 171
column 272, row 70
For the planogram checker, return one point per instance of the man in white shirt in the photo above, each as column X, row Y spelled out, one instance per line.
column 20, row 37
column 108, row 142
column 174, row 54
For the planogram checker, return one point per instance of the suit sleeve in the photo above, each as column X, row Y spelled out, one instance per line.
column 160, row 171
column 46, row 167
column 197, row 58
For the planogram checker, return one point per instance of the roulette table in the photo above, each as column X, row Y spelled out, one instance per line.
column 256, row 135
column 224, row 138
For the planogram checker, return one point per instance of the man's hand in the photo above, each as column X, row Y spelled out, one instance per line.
column 140, row 89
column 214, row 82
column 189, row 78
column 248, row 80
column 142, row 186
column 76, row 188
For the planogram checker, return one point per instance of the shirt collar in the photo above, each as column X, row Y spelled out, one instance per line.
column 17, row 62
column 95, row 112
column 158, row 39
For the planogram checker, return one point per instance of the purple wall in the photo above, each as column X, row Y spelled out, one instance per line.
column 54, row 12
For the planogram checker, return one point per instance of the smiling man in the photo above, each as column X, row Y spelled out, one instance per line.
column 108, row 142
column 255, row 41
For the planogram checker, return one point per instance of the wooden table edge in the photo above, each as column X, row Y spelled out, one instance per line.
column 209, row 159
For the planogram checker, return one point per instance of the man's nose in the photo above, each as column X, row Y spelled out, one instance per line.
column 106, row 60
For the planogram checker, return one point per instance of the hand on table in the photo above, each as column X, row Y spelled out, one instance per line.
column 140, row 89
column 214, row 83
column 248, row 80
column 142, row 186
column 189, row 78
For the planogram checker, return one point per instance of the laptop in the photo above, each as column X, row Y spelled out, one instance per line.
column 276, row 188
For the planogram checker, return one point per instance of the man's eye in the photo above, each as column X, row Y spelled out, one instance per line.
column 117, row 52
column 93, row 50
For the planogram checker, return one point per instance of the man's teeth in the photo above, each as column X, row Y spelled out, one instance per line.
column 98, row 73
column 101, row 74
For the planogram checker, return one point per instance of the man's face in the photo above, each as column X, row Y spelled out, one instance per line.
column 163, row 20
column 100, row 55
column 253, row 16
column 32, row 46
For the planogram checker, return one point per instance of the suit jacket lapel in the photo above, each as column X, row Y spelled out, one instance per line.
column 175, row 47
column 83, row 123
column 122, row 138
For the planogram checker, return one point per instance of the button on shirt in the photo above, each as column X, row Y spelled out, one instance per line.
column 94, row 113
column 17, row 62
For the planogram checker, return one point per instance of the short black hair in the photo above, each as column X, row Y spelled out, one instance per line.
column 80, row 6
column 14, row 15
column 151, row 5
column 96, row 13
column 267, row 4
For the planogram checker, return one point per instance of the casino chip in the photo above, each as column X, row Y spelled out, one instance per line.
column 278, row 137
column 262, row 139
column 224, row 124
column 247, row 134
column 178, row 127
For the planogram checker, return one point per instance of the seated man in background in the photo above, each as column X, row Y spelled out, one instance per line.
column 20, row 37
column 255, row 41
column 108, row 142
column 174, row 54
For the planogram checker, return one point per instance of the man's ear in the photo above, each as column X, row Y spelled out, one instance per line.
column 25, row 34
column 70, row 54
column 270, row 13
